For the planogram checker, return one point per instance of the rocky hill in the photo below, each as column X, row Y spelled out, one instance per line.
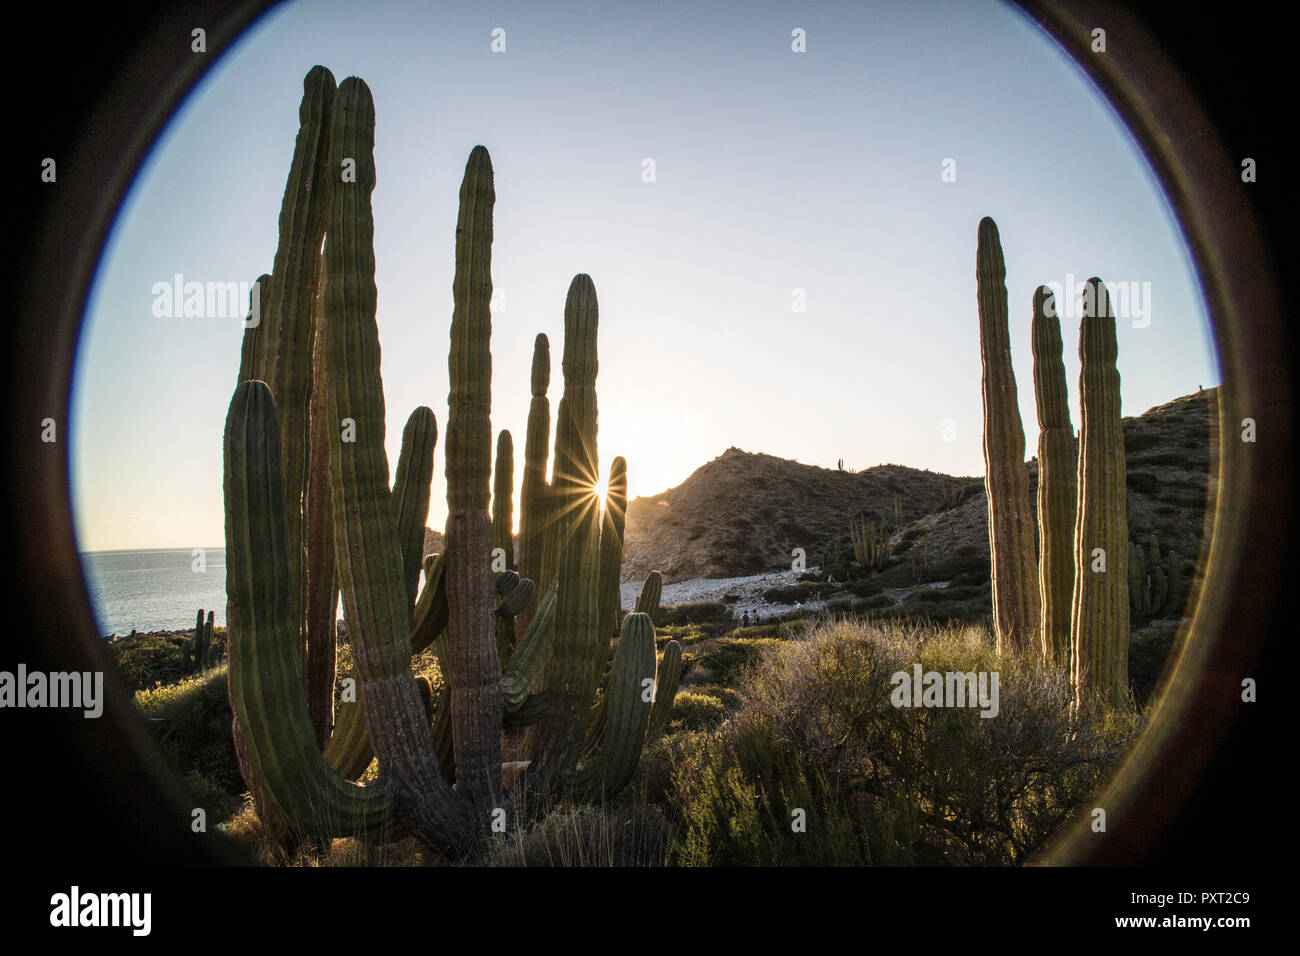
column 744, row 513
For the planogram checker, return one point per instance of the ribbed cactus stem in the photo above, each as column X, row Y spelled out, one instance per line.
column 1006, row 479
column 576, row 527
column 255, row 354
column 535, row 488
column 612, row 524
column 628, row 704
column 411, row 492
column 651, row 593
column 365, row 526
column 503, row 498
column 285, row 768
column 1100, row 622
column 290, row 309
column 666, row 681
column 1057, row 476
column 473, row 666
column 322, row 591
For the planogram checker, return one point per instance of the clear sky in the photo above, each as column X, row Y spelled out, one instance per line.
column 775, row 171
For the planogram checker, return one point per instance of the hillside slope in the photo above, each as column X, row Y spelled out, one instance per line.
column 744, row 513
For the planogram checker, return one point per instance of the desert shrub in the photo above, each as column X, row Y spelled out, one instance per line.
column 626, row 834
column 730, row 654
column 839, row 605
column 730, row 598
column 788, row 594
column 191, row 719
column 682, row 633
column 695, row 612
column 144, row 660
column 693, row 710
column 958, row 592
column 815, row 730
column 873, row 602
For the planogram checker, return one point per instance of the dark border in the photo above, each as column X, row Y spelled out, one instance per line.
column 109, row 780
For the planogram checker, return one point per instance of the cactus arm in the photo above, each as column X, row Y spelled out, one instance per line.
column 411, row 493
column 667, row 678
column 627, row 713
column 1011, row 529
column 576, row 527
column 266, row 684
column 291, row 309
column 535, row 488
column 474, row 668
column 1057, row 473
column 651, row 593
column 613, row 522
column 526, row 669
column 503, row 506
column 253, row 359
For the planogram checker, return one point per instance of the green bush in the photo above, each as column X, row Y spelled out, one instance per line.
column 725, row 658
column 191, row 719
column 144, row 660
column 815, row 738
column 695, row 612
column 693, row 710
column 788, row 594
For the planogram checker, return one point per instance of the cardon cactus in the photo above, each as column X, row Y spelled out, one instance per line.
column 1057, row 476
column 440, row 757
column 1155, row 586
column 1100, row 612
column 1006, row 479
column 870, row 542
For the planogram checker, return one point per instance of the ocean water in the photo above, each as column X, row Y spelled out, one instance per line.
column 154, row 590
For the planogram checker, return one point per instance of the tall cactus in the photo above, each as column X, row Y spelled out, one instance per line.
column 290, row 308
column 473, row 667
column 575, row 539
column 465, row 614
column 1057, row 467
column 289, row 776
column 365, row 527
column 1006, row 479
column 535, row 490
column 1100, row 611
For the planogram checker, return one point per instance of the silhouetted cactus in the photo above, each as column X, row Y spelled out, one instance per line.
column 1155, row 582
column 1057, row 481
column 465, row 614
column 1100, row 611
column 1011, row 528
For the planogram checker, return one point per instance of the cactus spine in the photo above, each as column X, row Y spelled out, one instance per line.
column 1011, row 529
column 1057, row 492
column 1100, row 613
